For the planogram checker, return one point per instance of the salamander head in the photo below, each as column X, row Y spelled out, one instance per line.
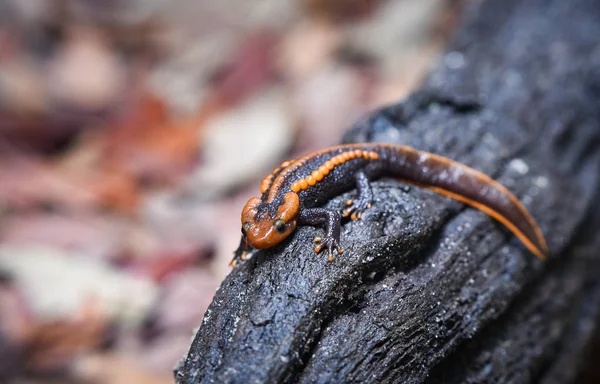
column 264, row 229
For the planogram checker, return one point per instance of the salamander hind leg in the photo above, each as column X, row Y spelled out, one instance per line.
column 331, row 220
column 355, row 208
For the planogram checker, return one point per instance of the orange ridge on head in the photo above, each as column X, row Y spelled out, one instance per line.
column 266, row 183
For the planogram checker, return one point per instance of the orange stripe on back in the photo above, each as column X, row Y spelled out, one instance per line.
column 324, row 169
column 277, row 184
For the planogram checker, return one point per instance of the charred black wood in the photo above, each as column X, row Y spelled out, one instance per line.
column 427, row 290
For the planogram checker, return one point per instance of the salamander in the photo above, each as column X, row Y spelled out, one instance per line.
column 292, row 195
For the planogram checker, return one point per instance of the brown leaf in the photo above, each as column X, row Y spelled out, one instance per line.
column 150, row 147
column 115, row 369
column 53, row 345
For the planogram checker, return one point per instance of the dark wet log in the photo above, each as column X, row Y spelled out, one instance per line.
column 428, row 290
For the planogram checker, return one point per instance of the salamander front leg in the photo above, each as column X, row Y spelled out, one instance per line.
column 241, row 253
column 331, row 220
column 364, row 199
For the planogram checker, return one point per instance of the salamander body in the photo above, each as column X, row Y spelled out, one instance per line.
column 292, row 195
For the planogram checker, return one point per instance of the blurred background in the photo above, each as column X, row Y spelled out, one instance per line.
column 132, row 132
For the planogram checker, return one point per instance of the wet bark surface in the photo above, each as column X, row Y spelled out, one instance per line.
column 428, row 290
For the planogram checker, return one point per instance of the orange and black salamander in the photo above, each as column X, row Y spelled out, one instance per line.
column 293, row 193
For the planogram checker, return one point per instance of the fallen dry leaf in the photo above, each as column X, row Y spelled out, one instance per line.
column 91, row 234
column 150, row 147
column 340, row 10
column 85, row 72
column 53, row 345
column 114, row 369
column 30, row 181
column 251, row 66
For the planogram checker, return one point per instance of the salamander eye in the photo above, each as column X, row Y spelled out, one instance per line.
column 280, row 226
column 245, row 228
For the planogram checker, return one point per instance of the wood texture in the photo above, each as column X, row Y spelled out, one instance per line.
column 429, row 291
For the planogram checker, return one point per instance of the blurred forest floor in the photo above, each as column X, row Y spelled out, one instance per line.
column 132, row 133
